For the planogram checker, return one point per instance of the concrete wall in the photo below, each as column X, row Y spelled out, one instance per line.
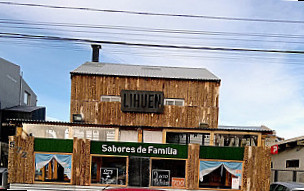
column 10, row 86
column 279, row 164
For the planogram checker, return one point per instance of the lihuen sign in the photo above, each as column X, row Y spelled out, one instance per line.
column 139, row 149
column 142, row 101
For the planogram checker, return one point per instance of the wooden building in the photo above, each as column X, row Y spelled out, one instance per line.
column 142, row 126
column 191, row 95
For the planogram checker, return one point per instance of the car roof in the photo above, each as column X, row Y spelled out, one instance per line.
column 291, row 185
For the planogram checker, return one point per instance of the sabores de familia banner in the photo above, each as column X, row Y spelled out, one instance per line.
column 139, row 149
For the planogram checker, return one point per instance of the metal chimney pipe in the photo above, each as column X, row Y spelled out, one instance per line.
column 95, row 53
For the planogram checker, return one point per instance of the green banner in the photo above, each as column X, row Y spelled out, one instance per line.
column 139, row 149
column 53, row 145
column 225, row 153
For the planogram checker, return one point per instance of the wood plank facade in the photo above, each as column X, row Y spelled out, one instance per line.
column 22, row 167
column 201, row 100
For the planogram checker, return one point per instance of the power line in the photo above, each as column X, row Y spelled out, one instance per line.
column 145, row 29
column 154, row 14
column 151, row 35
column 55, row 38
column 163, row 36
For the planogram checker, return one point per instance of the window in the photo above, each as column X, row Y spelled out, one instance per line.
column 220, row 174
column 292, row 164
column 53, row 167
column 109, row 170
column 27, row 98
column 139, row 171
column 110, row 98
column 235, row 140
column 178, row 102
column 168, row 173
column 186, row 138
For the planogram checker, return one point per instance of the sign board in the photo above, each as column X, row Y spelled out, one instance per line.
column 160, row 177
column 274, row 149
column 142, row 101
column 139, row 149
column 235, row 183
column 178, row 182
column 108, row 175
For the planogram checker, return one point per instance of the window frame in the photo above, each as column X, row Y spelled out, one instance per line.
column 174, row 100
column 292, row 160
column 27, row 98
column 111, row 97
column 236, row 161
column 44, row 182
column 168, row 187
column 110, row 156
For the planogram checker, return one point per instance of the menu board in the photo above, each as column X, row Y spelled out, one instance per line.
column 160, row 177
column 108, row 175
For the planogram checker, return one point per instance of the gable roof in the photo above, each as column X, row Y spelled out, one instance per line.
column 106, row 69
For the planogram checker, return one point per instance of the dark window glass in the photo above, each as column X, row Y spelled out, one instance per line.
column 139, row 171
column 235, row 140
column 109, row 170
column 292, row 163
column 272, row 187
column 166, row 171
column 186, row 138
column 281, row 188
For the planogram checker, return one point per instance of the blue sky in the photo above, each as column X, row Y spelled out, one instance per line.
column 256, row 88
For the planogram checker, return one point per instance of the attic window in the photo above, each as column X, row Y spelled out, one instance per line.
column 105, row 98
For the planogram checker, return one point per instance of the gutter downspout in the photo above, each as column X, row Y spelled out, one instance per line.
column 20, row 88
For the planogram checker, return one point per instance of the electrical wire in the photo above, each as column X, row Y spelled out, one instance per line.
column 145, row 29
column 151, row 35
column 154, row 14
column 56, row 38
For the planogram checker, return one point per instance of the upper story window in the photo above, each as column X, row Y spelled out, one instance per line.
column 186, row 138
column 292, row 164
column 27, row 98
column 173, row 101
column 110, row 98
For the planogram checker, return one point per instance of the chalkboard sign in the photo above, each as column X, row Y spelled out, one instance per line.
column 108, row 175
column 160, row 177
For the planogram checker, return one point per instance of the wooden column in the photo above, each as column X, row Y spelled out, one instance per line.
column 81, row 162
column 257, row 169
column 21, row 159
column 29, row 160
column 140, row 135
column 192, row 166
column 12, row 160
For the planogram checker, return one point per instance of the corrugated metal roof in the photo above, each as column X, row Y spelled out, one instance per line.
column 97, row 68
column 295, row 139
column 245, row 128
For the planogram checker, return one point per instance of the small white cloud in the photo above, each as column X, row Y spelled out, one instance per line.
column 48, row 118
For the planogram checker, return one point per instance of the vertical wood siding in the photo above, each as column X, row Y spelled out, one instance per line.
column 201, row 101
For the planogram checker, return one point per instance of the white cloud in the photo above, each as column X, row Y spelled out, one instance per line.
column 253, row 91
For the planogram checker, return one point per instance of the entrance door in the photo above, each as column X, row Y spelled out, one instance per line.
column 139, row 172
